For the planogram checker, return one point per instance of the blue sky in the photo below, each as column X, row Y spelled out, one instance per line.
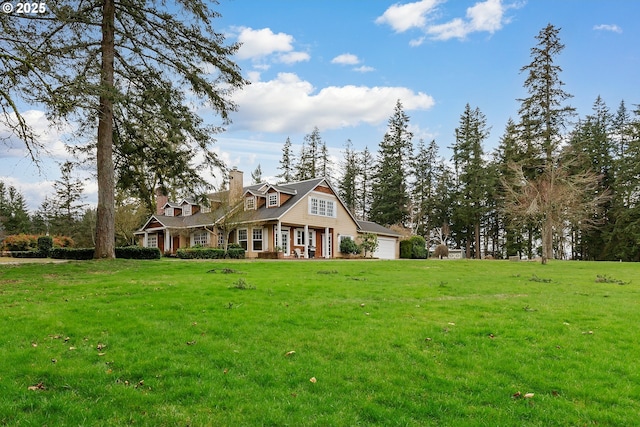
column 341, row 65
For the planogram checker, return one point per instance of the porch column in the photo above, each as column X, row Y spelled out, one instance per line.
column 167, row 240
column 279, row 235
column 306, row 241
column 325, row 245
column 145, row 242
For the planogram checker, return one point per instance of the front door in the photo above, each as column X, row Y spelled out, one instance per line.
column 284, row 239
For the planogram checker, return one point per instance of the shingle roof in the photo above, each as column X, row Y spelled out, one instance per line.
column 372, row 227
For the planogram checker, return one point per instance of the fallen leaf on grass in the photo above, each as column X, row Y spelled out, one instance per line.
column 529, row 395
column 191, row 342
column 38, row 386
column 290, row 353
column 101, row 346
column 492, row 336
column 34, row 344
column 71, row 348
column 313, row 380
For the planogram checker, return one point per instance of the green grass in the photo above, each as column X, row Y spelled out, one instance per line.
column 406, row 343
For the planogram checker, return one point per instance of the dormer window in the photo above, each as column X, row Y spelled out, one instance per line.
column 168, row 211
column 249, row 203
column 272, row 200
column 186, row 210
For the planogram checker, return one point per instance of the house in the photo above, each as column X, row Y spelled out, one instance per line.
column 301, row 219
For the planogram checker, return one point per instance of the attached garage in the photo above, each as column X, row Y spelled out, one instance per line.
column 387, row 239
column 386, row 248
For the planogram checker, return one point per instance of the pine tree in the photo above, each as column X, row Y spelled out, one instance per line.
column 423, row 188
column 389, row 196
column 544, row 115
column 364, row 183
column 309, row 163
column 256, row 175
column 286, row 164
column 471, row 176
column 347, row 186
column 86, row 61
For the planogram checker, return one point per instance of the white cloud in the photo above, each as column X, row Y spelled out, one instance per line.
column 485, row 16
column 289, row 104
column 293, row 57
column 364, row 69
column 402, row 17
column 48, row 135
column 608, row 27
column 263, row 43
column 346, row 59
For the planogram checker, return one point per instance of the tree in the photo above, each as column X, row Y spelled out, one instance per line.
column 67, row 207
column 389, row 196
column 89, row 55
column 424, row 172
column 364, row 183
column 347, row 187
column 286, row 164
column 543, row 116
column 14, row 216
column 256, row 175
column 308, row 166
column 471, row 177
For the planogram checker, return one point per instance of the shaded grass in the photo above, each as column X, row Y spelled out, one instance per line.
column 390, row 343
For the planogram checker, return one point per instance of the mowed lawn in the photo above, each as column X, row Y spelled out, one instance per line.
column 320, row 343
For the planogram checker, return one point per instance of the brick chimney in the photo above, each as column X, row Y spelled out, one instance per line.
column 161, row 200
column 236, row 182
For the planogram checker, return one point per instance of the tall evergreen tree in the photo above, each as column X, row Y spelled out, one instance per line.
column 347, row 186
column 309, row 161
column 389, row 192
column 471, row 177
column 256, row 175
column 365, row 183
column 544, row 116
column 68, row 197
column 286, row 166
column 87, row 57
column 423, row 188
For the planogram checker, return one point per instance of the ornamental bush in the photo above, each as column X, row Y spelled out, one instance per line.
column 137, row 252
column 348, row 246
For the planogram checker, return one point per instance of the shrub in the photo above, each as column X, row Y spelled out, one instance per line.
column 348, row 246
column 137, row 252
column 63, row 242
column 45, row 243
column 236, row 252
column 413, row 248
column 27, row 254
column 200, row 253
column 441, row 251
column 405, row 249
column 20, row 242
column 72, row 253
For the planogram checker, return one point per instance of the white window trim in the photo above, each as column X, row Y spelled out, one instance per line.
column 273, row 200
column 246, row 239
column 249, row 203
column 197, row 237
column 168, row 211
column 320, row 206
column 253, row 239
column 187, row 210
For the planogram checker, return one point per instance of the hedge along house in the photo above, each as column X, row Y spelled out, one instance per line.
column 300, row 219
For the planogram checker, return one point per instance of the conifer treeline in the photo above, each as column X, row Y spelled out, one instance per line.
column 558, row 185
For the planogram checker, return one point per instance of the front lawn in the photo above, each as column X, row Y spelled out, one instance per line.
column 324, row 343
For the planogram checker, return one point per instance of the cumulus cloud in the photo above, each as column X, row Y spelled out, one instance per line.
column 290, row 104
column 402, row 17
column 346, row 59
column 608, row 27
column 263, row 44
column 485, row 16
column 364, row 69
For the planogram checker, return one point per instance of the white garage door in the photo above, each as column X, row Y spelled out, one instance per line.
column 386, row 248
